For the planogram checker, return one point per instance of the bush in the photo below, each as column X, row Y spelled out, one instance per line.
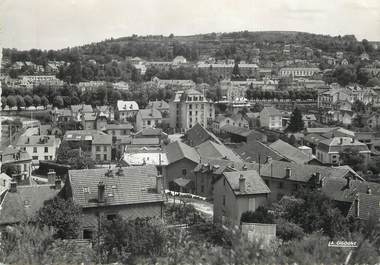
column 261, row 215
column 288, row 231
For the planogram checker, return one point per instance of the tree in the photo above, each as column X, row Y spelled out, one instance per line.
column 345, row 74
column 20, row 102
column 58, row 101
column 260, row 215
column 296, row 123
column 28, row 101
column 358, row 121
column 3, row 102
column 353, row 158
column 62, row 215
column 372, row 82
column 76, row 158
column 36, row 101
column 44, row 101
column 358, row 106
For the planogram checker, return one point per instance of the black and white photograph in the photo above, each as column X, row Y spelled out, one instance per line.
column 202, row 132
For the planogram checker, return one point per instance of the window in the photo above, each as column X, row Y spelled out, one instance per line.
column 148, row 122
column 111, row 217
column 97, row 156
column 87, row 234
column 46, row 157
column 105, row 148
column 224, row 182
column 35, row 157
column 97, row 148
column 280, row 185
column 34, row 149
column 202, row 188
column 224, row 200
column 105, row 157
column 25, row 167
column 46, row 149
column 184, row 171
column 51, row 157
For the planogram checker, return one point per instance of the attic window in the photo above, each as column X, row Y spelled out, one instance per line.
column 26, row 203
column 69, row 136
column 86, row 190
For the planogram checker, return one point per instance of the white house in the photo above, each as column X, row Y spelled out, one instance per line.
column 146, row 118
column 39, row 147
column 271, row 118
column 127, row 109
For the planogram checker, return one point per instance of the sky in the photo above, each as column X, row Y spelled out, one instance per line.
column 55, row 24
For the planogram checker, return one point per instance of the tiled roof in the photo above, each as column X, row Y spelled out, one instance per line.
column 301, row 173
column 102, row 139
column 314, row 138
column 336, row 188
column 177, row 150
column 218, row 166
column 198, row 134
column 338, row 144
column 214, row 150
column 127, row 105
column 134, row 185
column 290, row 152
column 23, row 204
column 253, row 182
column 321, row 130
column 236, row 130
column 159, row 105
column 82, row 135
column 148, row 114
column 121, row 126
column 145, row 141
column 8, row 152
column 258, row 152
column 369, row 205
column 150, row 132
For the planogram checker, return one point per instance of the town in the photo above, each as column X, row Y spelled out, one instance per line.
column 235, row 148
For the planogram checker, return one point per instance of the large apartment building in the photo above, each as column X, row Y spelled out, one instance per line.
column 189, row 108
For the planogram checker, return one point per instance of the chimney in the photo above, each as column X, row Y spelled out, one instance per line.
column 357, row 210
column 120, row 171
column 58, row 183
column 109, row 173
column 101, row 191
column 159, row 184
column 369, row 191
column 51, row 176
column 341, row 140
column 269, row 159
column 13, row 187
column 288, row 172
column 242, row 183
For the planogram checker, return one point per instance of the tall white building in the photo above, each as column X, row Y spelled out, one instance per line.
column 189, row 108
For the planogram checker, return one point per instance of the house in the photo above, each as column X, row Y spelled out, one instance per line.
column 78, row 110
column 271, row 118
column 364, row 56
column 238, row 134
column 146, row 156
column 258, row 152
column 284, row 178
column 292, row 153
column 61, row 115
column 220, row 121
column 127, row 109
column 373, row 120
column 328, row 151
column 210, row 170
column 5, row 184
column 146, row 118
column 365, row 206
column 179, row 60
column 21, row 203
column 97, row 143
column 190, row 107
column 182, row 159
column 215, row 150
column 107, row 111
column 39, row 147
column 309, row 120
column 237, row 192
column 298, row 71
column 131, row 192
column 118, row 129
column 344, row 192
column 198, row 134
column 89, row 120
column 161, row 105
column 18, row 158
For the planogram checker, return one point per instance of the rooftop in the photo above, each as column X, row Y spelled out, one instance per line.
column 127, row 105
column 253, row 182
column 290, row 152
column 177, row 150
column 133, row 185
column 148, row 114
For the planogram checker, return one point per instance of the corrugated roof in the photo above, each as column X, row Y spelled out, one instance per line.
column 253, row 182
column 134, row 185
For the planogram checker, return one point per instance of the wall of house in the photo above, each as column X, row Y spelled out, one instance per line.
column 40, row 153
column 175, row 170
column 91, row 216
column 89, row 125
column 204, row 184
column 99, row 154
column 281, row 187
